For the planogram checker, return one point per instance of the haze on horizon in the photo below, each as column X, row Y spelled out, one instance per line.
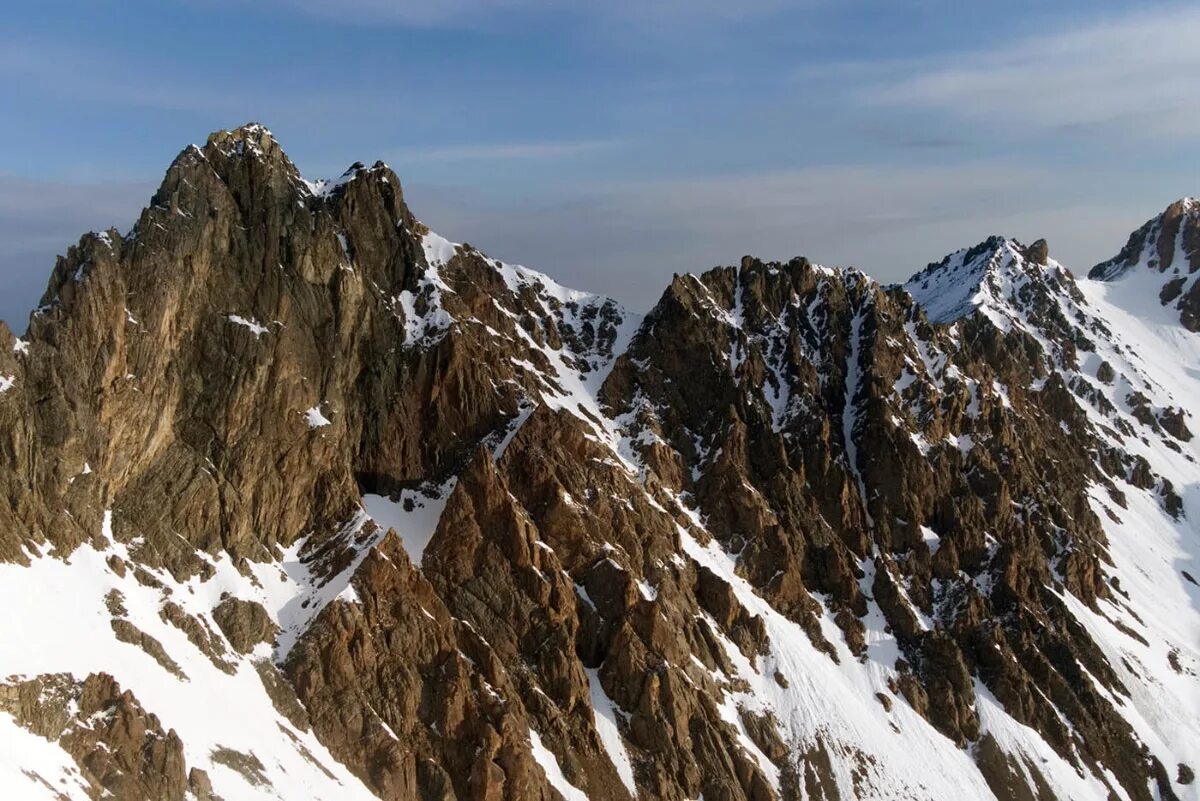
column 611, row 145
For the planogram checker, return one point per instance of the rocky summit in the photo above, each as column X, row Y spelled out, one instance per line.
column 305, row 502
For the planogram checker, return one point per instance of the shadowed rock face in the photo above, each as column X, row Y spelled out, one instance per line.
column 793, row 534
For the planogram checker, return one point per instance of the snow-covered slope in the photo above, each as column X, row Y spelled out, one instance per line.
column 56, row 620
column 1132, row 367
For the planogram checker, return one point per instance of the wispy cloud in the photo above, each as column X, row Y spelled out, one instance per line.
column 477, row 13
column 404, row 12
column 510, row 151
column 626, row 239
column 89, row 74
column 83, row 74
column 1134, row 73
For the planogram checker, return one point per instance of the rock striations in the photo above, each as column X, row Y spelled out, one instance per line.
column 306, row 502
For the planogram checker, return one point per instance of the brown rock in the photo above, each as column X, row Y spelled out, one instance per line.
column 244, row 623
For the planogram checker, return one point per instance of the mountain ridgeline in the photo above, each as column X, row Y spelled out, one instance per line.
column 307, row 502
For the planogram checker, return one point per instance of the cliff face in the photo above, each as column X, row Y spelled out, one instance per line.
column 308, row 502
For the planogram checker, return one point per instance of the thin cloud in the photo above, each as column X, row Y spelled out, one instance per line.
column 78, row 74
column 513, row 151
column 90, row 75
column 41, row 219
column 1134, row 73
column 478, row 13
column 29, row 202
column 626, row 239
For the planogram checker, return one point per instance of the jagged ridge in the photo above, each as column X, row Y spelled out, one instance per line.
column 772, row 541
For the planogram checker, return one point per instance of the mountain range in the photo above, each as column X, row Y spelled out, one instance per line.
column 307, row 502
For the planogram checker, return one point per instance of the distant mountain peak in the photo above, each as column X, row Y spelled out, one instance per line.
column 983, row 276
column 1169, row 241
column 1166, row 251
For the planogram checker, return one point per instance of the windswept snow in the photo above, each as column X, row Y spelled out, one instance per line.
column 428, row 325
column 966, row 280
column 835, row 703
column 438, row 250
column 1127, row 326
column 32, row 767
column 324, row 187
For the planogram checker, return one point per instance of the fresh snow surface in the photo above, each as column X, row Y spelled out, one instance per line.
column 438, row 250
column 56, row 611
column 606, row 713
column 835, row 703
column 549, row 764
column 564, row 387
column 414, row 516
column 324, row 187
column 32, row 767
column 422, row 329
column 1150, row 550
column 963, row 282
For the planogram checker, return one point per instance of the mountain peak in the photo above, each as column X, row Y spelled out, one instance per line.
column 980, row 276
column 232, row 156
column 479, row 535
column 249, row 164
column 252, row 140
column 1165, row 251
column 252, row 132
column 1169, row 241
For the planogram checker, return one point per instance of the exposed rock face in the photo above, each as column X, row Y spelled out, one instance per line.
column 433, row 527
column 244, row 623
column 121, row 750
column 1170, row 245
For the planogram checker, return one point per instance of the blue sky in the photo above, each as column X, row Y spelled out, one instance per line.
column 611, row 144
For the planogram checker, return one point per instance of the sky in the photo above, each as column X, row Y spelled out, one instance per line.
column 612, row 144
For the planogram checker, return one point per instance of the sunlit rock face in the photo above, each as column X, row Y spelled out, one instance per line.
column 305, row 501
